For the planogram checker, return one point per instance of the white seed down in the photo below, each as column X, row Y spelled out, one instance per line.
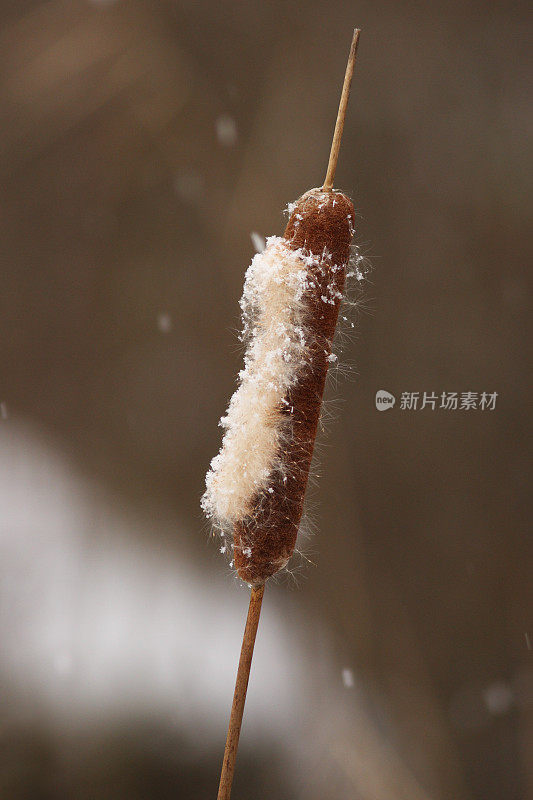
column 277, row 347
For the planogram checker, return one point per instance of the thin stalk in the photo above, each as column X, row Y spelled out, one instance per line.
column 239, row 695
column 341, row 115
column 256, row 595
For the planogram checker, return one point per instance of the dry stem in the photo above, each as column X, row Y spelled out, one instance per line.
column 239, row 695
column 256, row 596
column 341, row 115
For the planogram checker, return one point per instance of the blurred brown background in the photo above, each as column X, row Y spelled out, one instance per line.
column 141, row 145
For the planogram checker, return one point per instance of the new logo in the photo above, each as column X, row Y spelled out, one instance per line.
column 384, row 400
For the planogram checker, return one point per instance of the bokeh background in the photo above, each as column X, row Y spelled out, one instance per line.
column 141, row 146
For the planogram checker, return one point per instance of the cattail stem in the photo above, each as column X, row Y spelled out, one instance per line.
column 239, row 695
column 325, row 230
column 341, row 115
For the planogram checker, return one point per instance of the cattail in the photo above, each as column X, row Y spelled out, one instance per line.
column 292, row 294
column 256, row 486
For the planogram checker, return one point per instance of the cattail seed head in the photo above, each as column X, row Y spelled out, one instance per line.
column 293, row 290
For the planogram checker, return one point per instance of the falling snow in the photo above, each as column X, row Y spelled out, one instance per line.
column 226, row 129
column 164, row 322
column 258, row 242
column 347, row 678
column 498, row 698
column 189, row 186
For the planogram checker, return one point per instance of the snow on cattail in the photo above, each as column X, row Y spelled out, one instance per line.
column 292, row 292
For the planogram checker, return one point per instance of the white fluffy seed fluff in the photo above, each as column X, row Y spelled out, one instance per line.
column 277, row 348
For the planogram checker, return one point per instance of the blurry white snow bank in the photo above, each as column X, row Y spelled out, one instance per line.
column 97, row 622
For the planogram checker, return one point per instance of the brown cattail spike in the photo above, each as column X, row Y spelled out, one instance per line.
column 321, row 225
column 341, row 115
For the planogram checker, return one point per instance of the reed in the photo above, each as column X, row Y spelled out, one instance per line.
column 256, row 485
